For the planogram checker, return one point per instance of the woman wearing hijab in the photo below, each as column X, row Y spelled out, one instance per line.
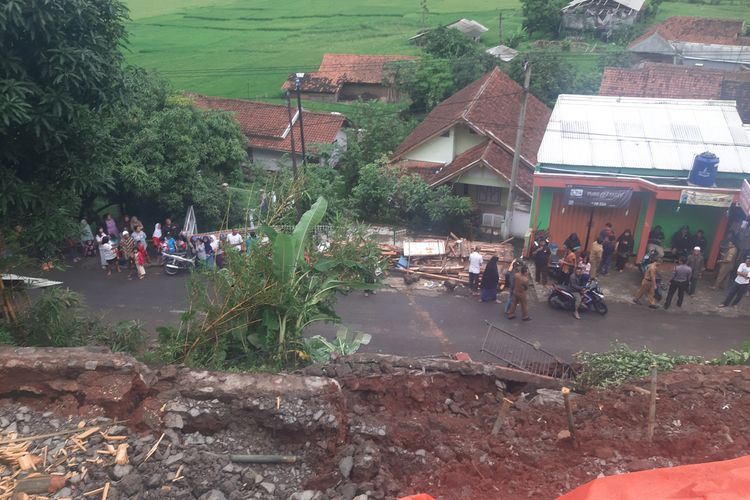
column 624, row 249
column 87, row 239
column 111, row 226
column 490, row 280
column 209, row 252
column 156, row 240
column 100, row 241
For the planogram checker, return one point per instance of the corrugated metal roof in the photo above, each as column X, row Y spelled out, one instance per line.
column 502, row 52
column 636, row 132
column 631, row 4
column 468, row 27
column 737, row 54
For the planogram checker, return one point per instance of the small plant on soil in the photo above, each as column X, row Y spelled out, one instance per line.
column 252, row 313
column 739, row 356
column 320, row 350
column 621, row 364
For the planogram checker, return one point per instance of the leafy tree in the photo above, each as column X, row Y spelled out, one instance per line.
column 542, row 16
column 377, row 130
column 451, row 62
column 552, row 76
column 60, row 64
column 172, row 154
column 388, row 194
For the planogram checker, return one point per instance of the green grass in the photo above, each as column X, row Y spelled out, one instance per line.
column 243, row 48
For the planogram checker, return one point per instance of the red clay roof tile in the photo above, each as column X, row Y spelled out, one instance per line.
column 490, row 106
column 337, row 69
column 697, row 30
column 265, row 125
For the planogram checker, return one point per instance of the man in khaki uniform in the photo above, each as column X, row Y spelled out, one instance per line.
column 520, row 286
column 726, row 264
column 595, row 257
column 648, row 285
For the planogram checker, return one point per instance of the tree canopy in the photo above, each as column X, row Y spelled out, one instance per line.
column 171, row 154
column 450, row 62
column 542, row 15
column 60, row 63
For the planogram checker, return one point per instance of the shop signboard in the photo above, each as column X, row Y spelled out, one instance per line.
column 704, row 198
column 745, row 197
column 597, row 196
column 424, row 248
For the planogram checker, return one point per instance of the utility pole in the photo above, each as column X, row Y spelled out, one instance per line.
column 517, row 151
column 500, row 27
column 297, row 82
column 291, row 134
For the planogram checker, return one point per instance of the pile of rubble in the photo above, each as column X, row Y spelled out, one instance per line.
column 364, row 427
column 445, row 260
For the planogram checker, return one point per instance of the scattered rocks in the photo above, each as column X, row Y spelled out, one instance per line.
column 120, row 471
column 213, row 495
column 173, row 421
column 173, row 459
column 307, row 495
column 269, row 487
column 345, row 466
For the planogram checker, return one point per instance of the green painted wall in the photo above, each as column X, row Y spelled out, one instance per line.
column 545, row 207
column 695, row 216
column 641, row 219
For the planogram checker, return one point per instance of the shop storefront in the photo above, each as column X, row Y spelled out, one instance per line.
column 628, row 203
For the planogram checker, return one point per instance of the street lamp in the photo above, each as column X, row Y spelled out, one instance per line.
column 297, row 81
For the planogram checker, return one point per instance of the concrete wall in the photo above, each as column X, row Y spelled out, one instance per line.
column 438, row 149
column 272, row 160
column 464, row 139
column 582, row 19
column 317, row 96
column 368, row 91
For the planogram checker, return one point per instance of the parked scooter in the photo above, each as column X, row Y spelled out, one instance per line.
column 174, row 263
column 592, row 298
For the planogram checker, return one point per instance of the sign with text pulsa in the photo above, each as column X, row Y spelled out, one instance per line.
column 597, row 196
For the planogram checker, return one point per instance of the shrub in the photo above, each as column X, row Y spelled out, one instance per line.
column 621, row 364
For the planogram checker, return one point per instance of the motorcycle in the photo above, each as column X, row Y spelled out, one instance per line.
column 174, row 263
column 592, row 298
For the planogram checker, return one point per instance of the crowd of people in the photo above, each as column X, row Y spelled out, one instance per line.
column 124, row 244
column 571, row 266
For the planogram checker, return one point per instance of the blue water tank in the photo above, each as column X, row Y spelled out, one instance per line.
column 704, row 170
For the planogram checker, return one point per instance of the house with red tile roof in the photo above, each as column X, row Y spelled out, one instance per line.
column 348, row 77
column 710, row 43
column 679, row 82
column 468, row 141
column 269, row 136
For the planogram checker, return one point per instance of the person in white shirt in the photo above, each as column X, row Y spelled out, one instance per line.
column 738, row 287
column 235, row 239
column 110, row 255
column 475, row 264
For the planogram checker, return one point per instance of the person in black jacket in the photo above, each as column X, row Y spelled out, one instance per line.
column 541, row 256
column 682, row 242
column 624, row 249
column 573, row 242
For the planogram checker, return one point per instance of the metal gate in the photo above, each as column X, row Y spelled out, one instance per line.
column 524, row 355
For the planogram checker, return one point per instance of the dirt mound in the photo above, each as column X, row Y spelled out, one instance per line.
column 375, row 427
column 438, row 431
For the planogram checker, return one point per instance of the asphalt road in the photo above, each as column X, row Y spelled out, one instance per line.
column 410, row 323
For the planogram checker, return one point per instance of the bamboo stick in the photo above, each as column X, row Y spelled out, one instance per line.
column 121, row 457
column 652, row 405
column 569, row 414
column 263, row 459
column 501, row 415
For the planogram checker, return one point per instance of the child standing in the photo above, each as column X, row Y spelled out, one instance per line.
column 140, row 260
